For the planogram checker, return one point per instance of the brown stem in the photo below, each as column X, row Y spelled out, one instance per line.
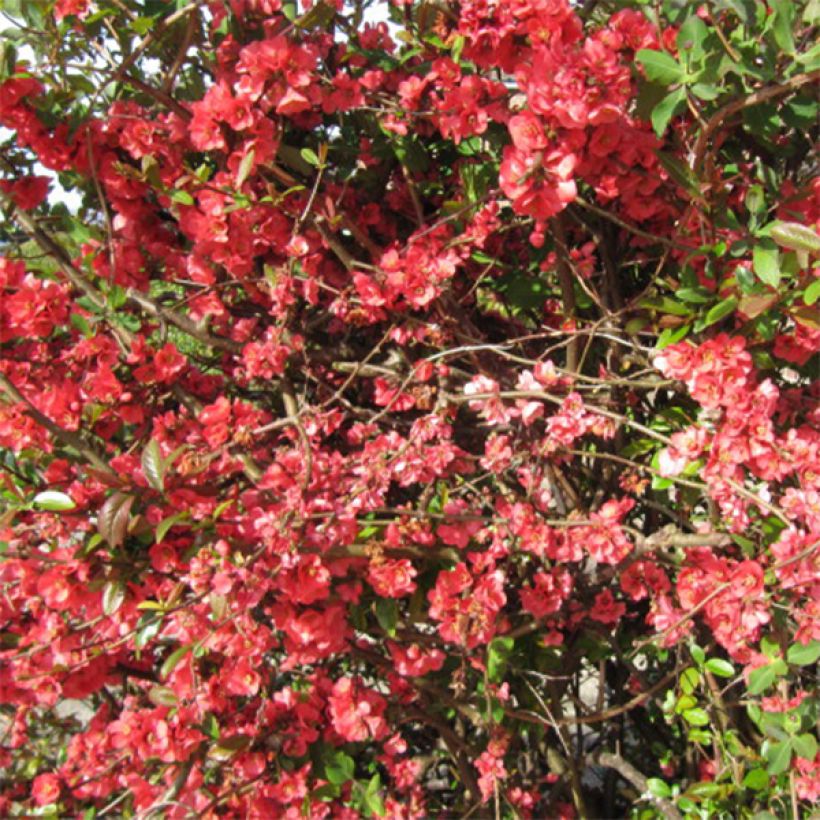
column 565, row 281
column 770, row 92
column 629, row 773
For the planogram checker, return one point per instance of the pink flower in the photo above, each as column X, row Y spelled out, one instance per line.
column 46, row 789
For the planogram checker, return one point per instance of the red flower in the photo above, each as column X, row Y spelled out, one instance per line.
column 356, row 711
column 606, row 609
column 392, row 578
column 46, row 789
column 527, row 132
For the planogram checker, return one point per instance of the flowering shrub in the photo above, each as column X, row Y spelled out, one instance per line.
column 411, row 414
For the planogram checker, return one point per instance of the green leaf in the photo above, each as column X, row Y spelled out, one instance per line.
column 691, row 36
column 371, row 797
column 172, row 661
column 705, row 91
column 705, row 788
column 720, row 667
column 310, row 157
column 162, row 696
column 803, row 655
column 689, row 680
column 771, row 648
column 795, row 237
column 113, row 597
column 320, row 15
column 812, row 293
column 783, row 24
column 671, row 335
column 685, row 702
column 153, row 466
column 666, row 109
column 226, row 748
column 660, row 67
column 245, row 167
column 498, row 654
column 778, row 756
column 696, row 717
column 766, row 263
column 210, row 726
column 697, row 295
column 387, row 614
column 53, row 501
column 142, row 25
column 658, row 787
column 756, row 779
column 698, row 655
column 805, row 746
column 339, row 768
column 182, row 197
column 79, row 322
column 762, row 678
column 167, row 523
column 719, row 311
column 148, row 631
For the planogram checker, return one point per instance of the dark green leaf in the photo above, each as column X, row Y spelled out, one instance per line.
column 761, row 679
column 805, row 746
column 691, row 37
column 756, row 779
column 782, row 24
column 778, row 756
column 498, row 655
column 660, row 67
column 671, row 335
column 697, row 295
column 666, row 109
column 227, row 747
column 766, row 263
column 339, row 768
column 387, row 614
column 720, row 311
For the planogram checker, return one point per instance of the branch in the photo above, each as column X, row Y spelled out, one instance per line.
column 565, row 281
column 629, row 773
column 67, row 437
column 770, row 92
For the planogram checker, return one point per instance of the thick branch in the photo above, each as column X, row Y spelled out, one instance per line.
column 629, row 773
